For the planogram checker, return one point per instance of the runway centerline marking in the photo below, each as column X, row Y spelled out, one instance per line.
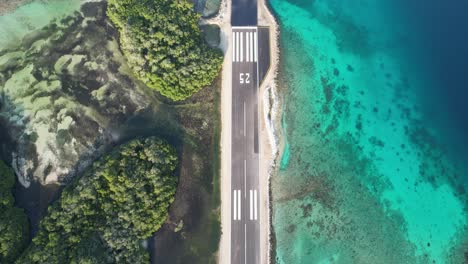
column 245, row 178
column 245, row 243
column 245, row 127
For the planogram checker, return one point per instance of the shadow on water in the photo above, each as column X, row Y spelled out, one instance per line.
column 161, row 123
column 37, row 197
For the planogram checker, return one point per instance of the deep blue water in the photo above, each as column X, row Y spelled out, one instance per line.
column 443, row 29
column 376, row 165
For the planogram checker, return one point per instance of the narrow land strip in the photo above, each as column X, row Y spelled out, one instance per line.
column 268, row 107
column 269, row 128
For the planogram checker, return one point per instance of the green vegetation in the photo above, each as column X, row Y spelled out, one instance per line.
column 199, row 237
column 105, row 215
column 13, row 221
column 73, row 229
column 164, row 45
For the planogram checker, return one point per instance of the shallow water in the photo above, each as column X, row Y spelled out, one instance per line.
column 191, row 126
column 373, row 171
column 32, row 16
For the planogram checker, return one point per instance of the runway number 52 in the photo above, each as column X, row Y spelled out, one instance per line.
column 244, row 78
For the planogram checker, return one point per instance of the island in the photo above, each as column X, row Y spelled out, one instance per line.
column 109, row 132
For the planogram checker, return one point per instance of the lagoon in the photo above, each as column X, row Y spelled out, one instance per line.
column 373, row 171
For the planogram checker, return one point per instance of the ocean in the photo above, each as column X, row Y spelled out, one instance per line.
column 375, row 120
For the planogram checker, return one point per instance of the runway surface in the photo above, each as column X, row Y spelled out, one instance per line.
column 244, row 13
column 245, row 197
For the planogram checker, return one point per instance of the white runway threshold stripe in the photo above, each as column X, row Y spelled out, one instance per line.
column 247, row 47
column 241, row 43
column 234, row 199
column 255, row 47
column 237, row 204
column 251, row 44
column 237, row 46
column 244, row 44
column 253, row 205
column 234, row 47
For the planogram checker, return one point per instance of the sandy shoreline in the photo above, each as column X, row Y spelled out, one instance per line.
column 268, row 106
column 223, row 21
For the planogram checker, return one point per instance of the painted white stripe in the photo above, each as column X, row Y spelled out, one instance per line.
column 255, row 46
column 235, row 204
column 251, row 204
column 245, row 127
column 247, row 39
column 237, row 46
column 247, row 47
column 255, row 204
column 245, row 178
column 244, row 27
column 234, row 46
column 238, row 204
column 245, row 243
column 241, row 47
column 251, row 46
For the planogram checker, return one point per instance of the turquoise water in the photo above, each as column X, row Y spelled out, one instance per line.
column 373, row 170
column 32, row 16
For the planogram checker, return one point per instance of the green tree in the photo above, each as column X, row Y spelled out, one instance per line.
column 164, row 45
column 14, row 227
column 105, row 215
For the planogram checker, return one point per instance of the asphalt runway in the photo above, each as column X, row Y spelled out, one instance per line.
column 244, row 13
column 245, row 195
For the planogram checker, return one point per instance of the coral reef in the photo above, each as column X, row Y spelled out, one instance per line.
column 62, row 91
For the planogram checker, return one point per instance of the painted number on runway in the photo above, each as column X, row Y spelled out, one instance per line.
column 244, row 78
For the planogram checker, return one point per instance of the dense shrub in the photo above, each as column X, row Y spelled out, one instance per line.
column 13, row 221
column 164, row 45
column 105, row 215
